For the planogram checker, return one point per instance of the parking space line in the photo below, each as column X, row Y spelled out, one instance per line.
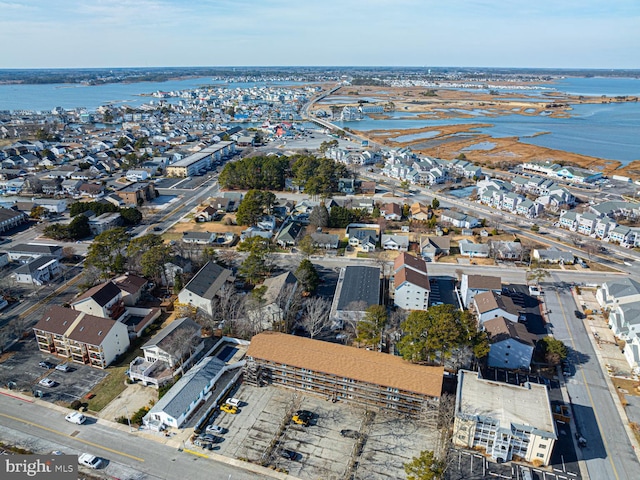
column 57, row 432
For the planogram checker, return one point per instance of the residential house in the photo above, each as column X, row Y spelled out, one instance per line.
column 131, row 287
column 103, row 300
column 347, row 186
column 71, row 187
column 490, row 305
column 51, row 205
column 275, row 300
column 39, row 271
column 471, row 285
column 622, row 235
column 204, row 287
column 604, row 225
column 206, row 214
column 503, row 250
column 433, row 247
column 459, row 220
column 325, row 240
column 199, row 238
column 553, row 255
column 91, row 190
column 171, row 350
column 511, row 344
column 473, row 250
column 80, row 337
column 587, row 223
column 357, row 289
column 411, row 287
column 210, row 377
column 391, row 211
column 395, row 242
column 288, row 235
column 420, row 212
column 364, row 238
column 506, row 421
column 366, row 378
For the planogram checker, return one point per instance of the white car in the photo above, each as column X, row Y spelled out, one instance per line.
column 233, row 402
column 63, row 367
column 214, row 429
column 47, row 382
column 90, row 461
column 75, row 417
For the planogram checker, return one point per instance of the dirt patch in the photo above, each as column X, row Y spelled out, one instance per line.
column 132, row 399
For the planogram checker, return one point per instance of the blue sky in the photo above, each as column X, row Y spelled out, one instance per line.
column 493, row 33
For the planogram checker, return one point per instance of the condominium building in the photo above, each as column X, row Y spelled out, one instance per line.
column 342, row 373
column 507, row 421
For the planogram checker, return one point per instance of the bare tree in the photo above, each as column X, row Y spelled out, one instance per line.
column 289, row 300
column 228, row 257
column 316, row 315
column 181, row 344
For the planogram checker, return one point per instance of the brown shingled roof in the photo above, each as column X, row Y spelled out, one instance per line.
column 408, row 275
column 500, row 328
column 490, row 300
column 91, row 330
column 56, row 320
column 348, row 362
column 406, row 259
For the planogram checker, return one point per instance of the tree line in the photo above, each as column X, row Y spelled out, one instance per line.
column 317, row 176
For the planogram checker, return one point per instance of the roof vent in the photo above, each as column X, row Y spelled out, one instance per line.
column 100, row 333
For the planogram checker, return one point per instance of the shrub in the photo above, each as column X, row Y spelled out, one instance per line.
column 75, row 405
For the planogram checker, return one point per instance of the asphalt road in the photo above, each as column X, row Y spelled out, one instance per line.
column 609, row 454
column 130, row 456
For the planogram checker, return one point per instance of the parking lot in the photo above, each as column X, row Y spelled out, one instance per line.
column 23, row 370
column 376, row 448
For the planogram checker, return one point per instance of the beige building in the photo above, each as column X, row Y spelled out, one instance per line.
column 505, row 420
column 342, row 373
column 81, row 338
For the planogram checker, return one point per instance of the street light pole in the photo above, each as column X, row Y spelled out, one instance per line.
column 128, row 418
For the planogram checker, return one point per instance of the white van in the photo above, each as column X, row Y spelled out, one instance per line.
column 75, row 417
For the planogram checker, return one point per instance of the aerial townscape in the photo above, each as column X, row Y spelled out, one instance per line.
column 317, row 272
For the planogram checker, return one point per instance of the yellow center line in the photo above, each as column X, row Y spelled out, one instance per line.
column 57, row 432
column 584, row 379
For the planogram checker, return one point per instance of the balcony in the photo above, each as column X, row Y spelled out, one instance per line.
column 150, row 373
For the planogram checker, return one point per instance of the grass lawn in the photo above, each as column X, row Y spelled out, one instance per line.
column 113, row 384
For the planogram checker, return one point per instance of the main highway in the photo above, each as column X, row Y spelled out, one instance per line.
column 129, row 455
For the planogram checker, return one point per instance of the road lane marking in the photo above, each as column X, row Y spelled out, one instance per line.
column 193, row 452
column 62, row 434
column 586, row 384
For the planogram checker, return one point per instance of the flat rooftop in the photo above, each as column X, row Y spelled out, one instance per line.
column 510, row 404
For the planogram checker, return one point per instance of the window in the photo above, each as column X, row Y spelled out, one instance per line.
column 542, row 445
column 540, row 455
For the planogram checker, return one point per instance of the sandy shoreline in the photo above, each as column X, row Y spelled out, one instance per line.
column 448, row 143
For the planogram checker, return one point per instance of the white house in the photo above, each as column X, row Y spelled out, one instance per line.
column 172, row 347
column 204, row 286
column 104, row 300
column 395, row 242
column 473, row 250
column 275, row 301
column 490, row 305
column 411, row 285
column 137, row 175
column 38, row 271
column 471, row 285
column 511, row 345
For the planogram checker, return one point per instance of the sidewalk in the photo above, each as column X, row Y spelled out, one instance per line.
column 608, row 354
column 177, row 439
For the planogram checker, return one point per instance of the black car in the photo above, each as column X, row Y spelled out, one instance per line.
column 580, row 315
column 350, row 433
column 47, row 365
column 288, row 454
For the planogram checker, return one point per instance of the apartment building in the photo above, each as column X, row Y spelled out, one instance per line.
column 505, row 420
column 411, row 285
column 341, row 373
column 81, row 338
